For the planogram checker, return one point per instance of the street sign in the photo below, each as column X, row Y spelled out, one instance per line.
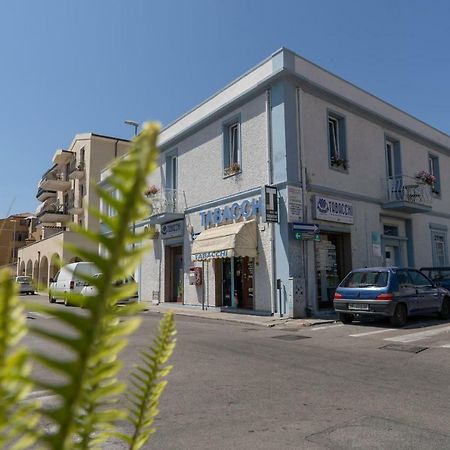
column 271, row 204
column 311, row 227
column 307, row 236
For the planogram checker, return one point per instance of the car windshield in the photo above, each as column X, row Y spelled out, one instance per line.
column 370, row 278
column 23, row 279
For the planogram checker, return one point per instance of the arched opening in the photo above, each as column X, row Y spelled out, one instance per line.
column 29, row 270
column 55, row 265
column 22, row 268
column 43, row 272
column 36, row 271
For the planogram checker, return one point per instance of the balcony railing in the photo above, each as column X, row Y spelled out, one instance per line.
column 406, row 193
column 75, row 206
column 52, row 211
column 166, row 206
column 166, row 201
column 76, row 169
column 54, row 181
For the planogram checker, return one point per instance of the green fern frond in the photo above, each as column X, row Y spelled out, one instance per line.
column 86, row 412
column 148, row 384
column 17, row 417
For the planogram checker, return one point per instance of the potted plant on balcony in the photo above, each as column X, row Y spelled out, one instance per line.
column 425, row 177
column 232, row 169
column 151, row 191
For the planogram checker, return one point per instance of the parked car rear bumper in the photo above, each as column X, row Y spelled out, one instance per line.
column 375, row 307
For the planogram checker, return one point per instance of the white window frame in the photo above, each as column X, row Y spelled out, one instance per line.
column 439, row 239
column 390, row 158
column 431, row 166
column 333, row 129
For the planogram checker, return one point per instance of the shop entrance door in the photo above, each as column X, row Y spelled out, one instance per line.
column 333, row 262
column 174, row 274
column 238, row 276
column 389, row 255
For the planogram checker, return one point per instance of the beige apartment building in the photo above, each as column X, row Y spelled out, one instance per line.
column 66, row 190
column 14, row 232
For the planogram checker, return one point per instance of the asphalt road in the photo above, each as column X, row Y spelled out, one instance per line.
column 360, row 386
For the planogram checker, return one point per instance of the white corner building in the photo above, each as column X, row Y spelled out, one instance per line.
column 352, row 182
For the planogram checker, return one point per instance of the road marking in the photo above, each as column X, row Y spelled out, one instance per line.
column 411, row 337
column 367, row 333
column 445, row 346
column 325, row 327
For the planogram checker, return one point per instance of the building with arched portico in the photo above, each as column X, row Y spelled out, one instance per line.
column 65, row 191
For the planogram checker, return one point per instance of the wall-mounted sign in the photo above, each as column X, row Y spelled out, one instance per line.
column 211, row 255
column 270, row 195
column 246, row 209
column 306, row 236
column 172, row 229
column 376, row 243
column 306, row 231
column 294, row 204
column 333, row 210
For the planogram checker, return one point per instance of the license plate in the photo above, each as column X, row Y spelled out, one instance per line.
column 358, row 306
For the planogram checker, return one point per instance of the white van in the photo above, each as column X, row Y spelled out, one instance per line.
column 68, row 280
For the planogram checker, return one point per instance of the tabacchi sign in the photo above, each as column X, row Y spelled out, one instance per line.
column 332, row 209
column 246, row 209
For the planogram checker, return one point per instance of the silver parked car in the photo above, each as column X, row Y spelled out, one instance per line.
column 25, row 284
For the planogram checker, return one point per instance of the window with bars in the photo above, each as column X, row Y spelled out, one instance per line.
column 337, row 141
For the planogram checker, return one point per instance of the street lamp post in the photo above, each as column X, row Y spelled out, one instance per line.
column 134, row 124
column 14, row 241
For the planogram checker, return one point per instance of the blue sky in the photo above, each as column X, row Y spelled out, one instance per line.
column 70, row 67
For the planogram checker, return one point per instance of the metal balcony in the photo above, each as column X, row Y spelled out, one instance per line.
column 75, row 206
column 53, row 180
column 62, row 157
column 43, row 194
column 166, row 206
column 52, row 212
column 77, row 170
column 406, row 194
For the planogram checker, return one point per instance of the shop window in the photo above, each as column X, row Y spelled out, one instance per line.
column 433, row 165
column 337, row 142
column 232, row 148
column 237, row 282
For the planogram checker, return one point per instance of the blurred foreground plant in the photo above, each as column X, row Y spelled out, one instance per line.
column 87, row 411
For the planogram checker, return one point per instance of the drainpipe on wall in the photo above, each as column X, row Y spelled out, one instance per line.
column 301, row 148
column 273, row 277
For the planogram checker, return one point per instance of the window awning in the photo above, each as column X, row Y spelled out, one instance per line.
column 236, row 239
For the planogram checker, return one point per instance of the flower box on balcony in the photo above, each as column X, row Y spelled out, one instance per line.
column 151, row 191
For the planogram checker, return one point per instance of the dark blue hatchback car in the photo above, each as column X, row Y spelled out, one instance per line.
column 392, row 292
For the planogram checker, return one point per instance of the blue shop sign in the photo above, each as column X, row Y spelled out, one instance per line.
column 217, row 216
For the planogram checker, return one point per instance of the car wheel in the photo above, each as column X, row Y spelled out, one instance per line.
column 346, row 318
column 66, row 301
column 50, row 298
column 445, row 309
column 398, row 319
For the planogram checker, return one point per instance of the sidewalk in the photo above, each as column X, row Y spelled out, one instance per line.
column 235, row 316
